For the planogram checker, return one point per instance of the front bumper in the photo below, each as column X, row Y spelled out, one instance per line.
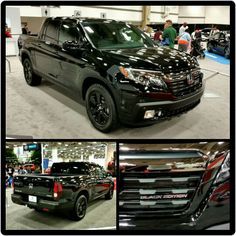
column 50, row 205
column 135, row 115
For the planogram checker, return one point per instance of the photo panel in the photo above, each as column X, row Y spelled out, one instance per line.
column 118, row 118
column 60, row 185
column 102, row 71
column 174, row 186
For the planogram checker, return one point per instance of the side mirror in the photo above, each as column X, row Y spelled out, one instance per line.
column 71, row 45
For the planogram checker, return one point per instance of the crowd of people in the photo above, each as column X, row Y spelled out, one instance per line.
column 169, row 36
column 12, row 170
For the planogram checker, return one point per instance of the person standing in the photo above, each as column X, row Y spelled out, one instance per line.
column 184, row 41
column 183, row 28
column 169, row 34
column 10, row 172
column 157, row 36
column 214, row 30
column 25, row 29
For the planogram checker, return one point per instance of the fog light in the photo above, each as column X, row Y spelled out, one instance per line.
column 149, row 114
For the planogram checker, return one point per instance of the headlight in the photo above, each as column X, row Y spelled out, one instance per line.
column 224, row 172
column 146, row 78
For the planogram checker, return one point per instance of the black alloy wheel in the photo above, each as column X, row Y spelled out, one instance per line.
column 101, row 108
column 30, row 77
column 80, row 208
column 109, row 195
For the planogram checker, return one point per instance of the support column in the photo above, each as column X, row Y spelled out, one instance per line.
column 146, row 16
column 54, row 155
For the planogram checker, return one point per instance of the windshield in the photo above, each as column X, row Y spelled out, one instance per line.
column 114, row 35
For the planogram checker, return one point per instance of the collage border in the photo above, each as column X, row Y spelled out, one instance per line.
column 117, row 231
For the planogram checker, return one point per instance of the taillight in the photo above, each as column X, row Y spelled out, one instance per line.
column 57, row 190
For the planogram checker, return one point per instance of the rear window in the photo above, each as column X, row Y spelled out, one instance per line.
column 70, row 168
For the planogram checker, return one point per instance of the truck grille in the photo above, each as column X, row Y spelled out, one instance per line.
column 157, row 191
column 183, row 84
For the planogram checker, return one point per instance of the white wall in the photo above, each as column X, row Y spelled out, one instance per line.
column 13, row 22
column 30, row 11
column 217, row 15
column 159, row 14
column 128, row 13
column 13, row 19
column 204, row 14
column 191, row 14
column 178, row 14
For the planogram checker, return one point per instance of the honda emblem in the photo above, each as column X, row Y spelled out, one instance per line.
column 31, row 186
column 190, row 79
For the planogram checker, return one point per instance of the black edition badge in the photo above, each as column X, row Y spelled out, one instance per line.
column 164, row 196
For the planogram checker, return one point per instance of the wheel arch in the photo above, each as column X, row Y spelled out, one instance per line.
column 24, row 55
column 84, row 192
column 89, row 81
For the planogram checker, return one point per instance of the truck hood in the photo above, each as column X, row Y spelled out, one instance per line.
column 156, row 58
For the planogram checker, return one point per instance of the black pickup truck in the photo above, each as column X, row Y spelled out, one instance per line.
column 115, row 68
column 69, row 188
column 173, row 190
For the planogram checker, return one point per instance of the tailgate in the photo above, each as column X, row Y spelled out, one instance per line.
column 35, row 185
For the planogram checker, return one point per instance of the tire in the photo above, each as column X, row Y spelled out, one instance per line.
column 227, row 52
column 209, row 47
column 109, row 195
column 80, row 208
column 101, row 108
column 30, row 77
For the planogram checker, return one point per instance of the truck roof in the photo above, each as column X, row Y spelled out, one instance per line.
column 85, row 19
column 76, row 162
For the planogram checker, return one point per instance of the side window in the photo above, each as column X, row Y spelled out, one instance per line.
column 50, row 33
column 69, row 31
column 99, row 171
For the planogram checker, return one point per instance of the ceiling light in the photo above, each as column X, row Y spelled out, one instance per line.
column 220, row 143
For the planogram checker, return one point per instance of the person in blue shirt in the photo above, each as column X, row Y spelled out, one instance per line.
column 184, row 41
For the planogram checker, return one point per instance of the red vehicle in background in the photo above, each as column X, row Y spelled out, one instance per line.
column 30, row 166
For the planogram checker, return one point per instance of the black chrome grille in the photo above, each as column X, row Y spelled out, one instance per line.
column 157, row 192
column 182, row 84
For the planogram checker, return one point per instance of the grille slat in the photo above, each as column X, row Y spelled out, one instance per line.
column 172, row 192
column 180, row 87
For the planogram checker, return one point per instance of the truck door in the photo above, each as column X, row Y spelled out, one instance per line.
column 46, row 50
column 71, row 63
